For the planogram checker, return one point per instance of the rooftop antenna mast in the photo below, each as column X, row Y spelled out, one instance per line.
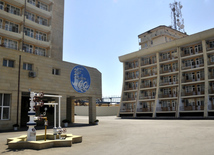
column 176, row 16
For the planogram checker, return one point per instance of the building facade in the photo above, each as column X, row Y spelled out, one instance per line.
column 169, row 77
column 31, row 60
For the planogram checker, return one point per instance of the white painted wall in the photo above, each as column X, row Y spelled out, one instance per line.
column 101, row 111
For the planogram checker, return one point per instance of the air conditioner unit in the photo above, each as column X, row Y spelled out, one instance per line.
column 32, row 74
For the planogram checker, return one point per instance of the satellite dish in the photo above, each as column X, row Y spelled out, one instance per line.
column 182, row 26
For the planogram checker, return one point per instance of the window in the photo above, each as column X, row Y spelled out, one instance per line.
column 27, row 66
column 0, row 23
column 30, row 16
column 29, row 32
column 42, row 6
column 42, row 21
column 211, row 44
column 10, row 44
column 32, row 2
column 5, row 106
column 1, row 5
column 8, row 63
column 41, row 36
column 11, row 27
column 55, row 71
column 28, row 48
column 13, row 10
column 40, row 51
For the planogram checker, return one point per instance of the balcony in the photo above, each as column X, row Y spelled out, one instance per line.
column 36, row 25
column 191, row 108
column 126, row 110
column 211, row 91
column 151, row 85
column 191, row 50
column 10, row 34
column 166, row 108
column 211, row 107
column 210, row 45
column 143, row 74
column 12, row 17
column 131, row 66
column 130, row 88
column 142, row 97
column 131, row 77
column 184, row 80
column 34, row 41
column 162, row 83
column 162, row 71
column 145, row 109
column 150, row 62
column 192, row 66
column 192, row 93
column 125, row 98
column 211, row 76
column 167, row 95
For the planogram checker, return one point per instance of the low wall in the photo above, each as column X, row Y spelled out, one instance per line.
column 101, row 111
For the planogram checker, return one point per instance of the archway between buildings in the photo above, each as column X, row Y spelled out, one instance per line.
column 69, row 109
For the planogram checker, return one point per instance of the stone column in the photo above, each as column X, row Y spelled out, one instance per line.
column 92, row 110
column 72, row 111
column 179, row 83
column 206, row 84
column 157, row 89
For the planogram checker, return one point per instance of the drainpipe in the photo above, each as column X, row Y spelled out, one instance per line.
column 23, row 26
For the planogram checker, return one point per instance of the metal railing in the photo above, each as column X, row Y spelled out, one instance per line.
column 192, row 93
column 126, row 110
column 146, row 97
column 192, row 66
column 168, row 83
column 166, row 108
column 167, row 95
column 191, row 53
column 190, row 108
column 145, row 109
column 192, row 80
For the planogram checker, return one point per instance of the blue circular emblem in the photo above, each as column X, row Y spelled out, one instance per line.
column 80, row 79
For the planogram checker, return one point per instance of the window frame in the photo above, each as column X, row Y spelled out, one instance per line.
column 2, row 106
column 8, row 63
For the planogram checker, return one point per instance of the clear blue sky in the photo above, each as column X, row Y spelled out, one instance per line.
column 96, row 32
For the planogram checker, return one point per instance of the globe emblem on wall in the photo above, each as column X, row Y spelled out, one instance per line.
column 80, row 79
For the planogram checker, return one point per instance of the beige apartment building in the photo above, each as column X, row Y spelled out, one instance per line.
column 172, row 75
column 31, row 60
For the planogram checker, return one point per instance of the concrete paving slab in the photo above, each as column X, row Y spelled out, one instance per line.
column 115, row 136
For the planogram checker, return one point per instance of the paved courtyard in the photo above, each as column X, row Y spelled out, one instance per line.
column 115, row 136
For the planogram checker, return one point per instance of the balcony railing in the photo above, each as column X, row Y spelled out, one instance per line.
column 190, row 108
column 192, row 66
column 192, row 80
column 192, row 93
column 162, row 71
column 211, row 91
column 166, row 108
column 128, row 98
column 211, row 107
column 126, row 110
column 191, row 52
column 146, row 97
column 147, row 86
column 167, row 95
column 210, row 76
column 148, row 63
column 145, row 109
column 131, row 66
column 143, row 74
column 131, row 77
column 168, row 83
column 130, row 88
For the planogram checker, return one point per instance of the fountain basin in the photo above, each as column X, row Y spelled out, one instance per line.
column 22, row 143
